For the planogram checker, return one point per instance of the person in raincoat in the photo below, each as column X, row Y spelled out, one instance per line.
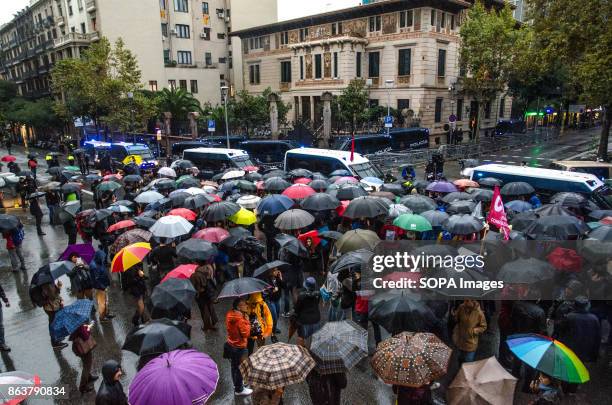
column 261, row 321
column 37, row 214
column 111, row 390
column 471, row 323
column 203, row 280
column 100, row 282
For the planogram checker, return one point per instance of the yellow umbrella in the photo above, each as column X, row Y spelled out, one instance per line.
column 132, row 159
column 243, row 217
column 130, row 256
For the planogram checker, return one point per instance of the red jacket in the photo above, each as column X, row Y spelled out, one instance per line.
column 238, row 328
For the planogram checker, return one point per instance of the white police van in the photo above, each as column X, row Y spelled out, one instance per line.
column 326, row 161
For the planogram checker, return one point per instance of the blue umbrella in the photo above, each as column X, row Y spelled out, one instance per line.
column 519, row 206
column 70, row 318
column 274, row 204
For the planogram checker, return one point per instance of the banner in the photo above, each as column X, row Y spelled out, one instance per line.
column 497, row 214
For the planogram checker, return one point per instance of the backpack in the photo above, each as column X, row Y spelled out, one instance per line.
column 18, row 235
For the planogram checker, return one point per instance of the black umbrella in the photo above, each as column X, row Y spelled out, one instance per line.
column 160, row 205
column 41, row 277
column 165, row 184
column 8, row 222
column 158, row 336
column 420, row 185
column 435, row 217
column 355, row 260
column 275, row 184
column 365, row 207
column 239, row 231
column 350, row 192
column 525, row 271
column 490, row 182
column 547, row 210
column 461, row 207
column 603, row 233
column 245, row 185
column 462, row 224
column 178, row 198
column 144, row 222
column 318, row 176
column 182, row 164
column 297, row 173
column 320, row 202
column 340, row 173
column 172, row 299
column 291, row 245
column 330, row 235
column 92, row 178
column 516, row 188
column 253, row 176
column 102, row 214
column 394, row 188
column 36, row 194
column 220, row 211
column 600, row 214
column 55, row 170
column 293, row 219
column 184, row 183
column 457, row 196
column 196, row 250
column 71, row 188
column 573, row 200
column 319, row 185
column 481, row 194
column 274, row 173
column 401, row 312
column 198, row 201
column 523, row 220
column 132, row 178
column 559, row 227
column 240, row 287
column 262, row 270
column 418, row 203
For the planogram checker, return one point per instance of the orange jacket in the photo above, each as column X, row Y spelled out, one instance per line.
column 238, row 328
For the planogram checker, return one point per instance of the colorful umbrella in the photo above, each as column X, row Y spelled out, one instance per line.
column 213, row 235
column 441, row 187
column 84, row 250
column 11, row 380
column 302, row 180
column 274, row 204
column 176, row 378
column 8, row 158
column 136, row 159
column 130, row 256
column 549, row 356
column 412, row 222
column 183, row 271
column 130, row 237
column 128, row 223
column 183, row 213
column 243, row 217
column 298, row 191
column 465, row 183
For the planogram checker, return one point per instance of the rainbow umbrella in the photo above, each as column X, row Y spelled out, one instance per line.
column 549, row 356
column 243, row 217
column 130, row 256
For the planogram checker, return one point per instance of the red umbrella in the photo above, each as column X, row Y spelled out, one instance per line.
column 250, row 168
column 302, row 180
column 183, row 271
column 606, row 221
column 128, row 223
column 342, row 207
column 565, row 260
column 112, row 176
column 299, row 191
column 183, row 212
column 346, row 180
column 212, row 235
column 313, row 235
column 216, row 197
column 8, row 158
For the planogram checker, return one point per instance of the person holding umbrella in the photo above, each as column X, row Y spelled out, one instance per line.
column 136, row 286
column 307, row 315
column 235, row 348
column 52, row 200
column 80, row 278
column 111, row 390
column 36, row 212
column 547, row 390
column 100, row 282
column 162, row 258
column 14, row 239
column 82, row 346
column 471, row 323
column 203, row 280
column 71, row 230
column 52, row 303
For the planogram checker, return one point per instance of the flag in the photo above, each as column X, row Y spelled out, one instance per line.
column 353, row 147
column 497, row 214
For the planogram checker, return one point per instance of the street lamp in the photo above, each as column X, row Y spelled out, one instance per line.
column 389, row 84
column 225, row 94
column 130, row 95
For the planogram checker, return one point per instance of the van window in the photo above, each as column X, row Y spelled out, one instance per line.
column 320, row 164
column 410, row 139
column 208, row 161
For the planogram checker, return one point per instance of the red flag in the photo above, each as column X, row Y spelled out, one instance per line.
column 352, row 146
column 497, row 214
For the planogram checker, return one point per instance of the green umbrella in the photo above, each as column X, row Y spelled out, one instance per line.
column 412, row 222
column 357, row 239
column 107, row 186
column 72, row 168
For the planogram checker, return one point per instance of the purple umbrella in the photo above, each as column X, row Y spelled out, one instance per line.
column 441, row 187
column 175, row 378
column 84, row 250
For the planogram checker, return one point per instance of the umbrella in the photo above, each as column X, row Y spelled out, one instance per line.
column 411, row 359
column 394, row 188
column 55, row 170
column 441, row 187
column 128, row 223
column 148, row 197
column 213, row 235
column 559, row 227
column 383, row 194
column 518, row 206
column 160, row 205
column 8, row 158
column 36, row 194
column 183, row 213
column 172, row 299
column 296, row 173
column 293, row 219
column 401, row 312
column 71, row 188
column 108, row 186
column 521, row 221
column 319, row 185
column 346, row 180
column 158, row 336
column 182, row 164
column 517, row 188
column 233, row 174
column 276, row 184
column 277, row 365
column 120, row 209
column 249, row 201
column 412, row 222
column 166, row 172
column 84, row 250
column 365, row 207
column 130, row 256
column 467, row 277
column 240, row 287
column 15, row 386
column 274, row 204
column 302, row 180
column 187, row 181
column 70, row 318
column 220, row 211
column 165, row 184
column 178, row 198
column 350, row 192
column 549, row 356
column 243, row 217
column 572, row 200
column 482, row 382
column 176, row 378
column 71, row 208
column 339, row 346
column 130, row 237
column 125, row 203
column 465, row 183
column 171, row 227
column 456, row 196
column 51, row 186
column 435, row 217
column 253, row 176
column 133, row 178
column 292, row 245
column 59, row 268
column 461, row 207
column 357, row 239
column 320, row 202
column 298, row 191
column 184, row 271
column 274, row 172
column 418, row 203
column 603, row 233
column 395, row 210
column 8, row 223
column 144, row 221
column 525, row 271
column 490, row 182
column 600, row 214
column 355, row 259
column 462, row 224
column 262, row 270
column 193, row 250
column 481, row 194
column 197, row 201
column 116, row 177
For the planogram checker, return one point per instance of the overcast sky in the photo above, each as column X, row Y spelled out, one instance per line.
column 9, row 7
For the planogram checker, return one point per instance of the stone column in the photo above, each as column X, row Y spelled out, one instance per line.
column 311, row 100
column 273, row 99
column 193, row 124
column 326, row 98
column 168, row 130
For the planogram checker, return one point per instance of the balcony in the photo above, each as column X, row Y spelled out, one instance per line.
column 72, row 38
column 60, row 20
column 93, row 36
column 90, row 6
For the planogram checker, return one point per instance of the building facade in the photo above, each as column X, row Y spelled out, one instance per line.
column 405, row 50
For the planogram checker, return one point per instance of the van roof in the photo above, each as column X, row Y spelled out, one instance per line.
column 97, row 144
column 268, row 141
column 338, row 154
column 228, row 152
column 550, row 174
column 130, row 144
column 581, row 163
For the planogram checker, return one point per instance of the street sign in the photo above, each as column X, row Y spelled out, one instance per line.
column 388, row 121
column 211, row 125
column 452, row 118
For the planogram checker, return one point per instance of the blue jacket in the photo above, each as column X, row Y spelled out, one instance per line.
column 99, row 273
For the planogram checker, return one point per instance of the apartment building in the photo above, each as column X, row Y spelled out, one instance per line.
column 407, row 52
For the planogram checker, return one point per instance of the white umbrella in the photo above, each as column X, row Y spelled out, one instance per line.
column 233, row 174
column 395, row 210
column 194, row 191
column 166, row 172
column 249, row 201
column 171, row 227
column 148, row 197
column 209, row 189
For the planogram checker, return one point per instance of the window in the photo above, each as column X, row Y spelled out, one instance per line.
column 164, row 29
column 374, row 23
column 222, row 60
column 183, row 84
column 206, row 33
column 441, row 62
column 83, row 28
column 221, row 35
column 502, row 107
column 402, row 103
column 318, row 66
column 70, row 12
column 404, row 62
column 433, row 17
column 172, row 84
column 452, row 21
column 374, row 64
column 358, row 64
column 255, row 43
column 438, row 110
column 459, row 110
column 194, row 86
column 285, row 72
column 487, row 110
column 284, row 37
column 303, row 34
column 153, row 85
column 166, row 55
column 442, row 20
column 183, row 57
column 205, row 7
column 406, row 18
column 336, row 28
column 181, row 5
column 208, row 58
column 182, row 30
column 335, row 66
column 254, row 74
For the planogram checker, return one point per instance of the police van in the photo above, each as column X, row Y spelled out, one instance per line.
column 120, row 150
column 398, row 139
column 327, row 161
column 211, row 161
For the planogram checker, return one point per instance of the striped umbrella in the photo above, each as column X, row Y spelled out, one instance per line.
column 130, row 256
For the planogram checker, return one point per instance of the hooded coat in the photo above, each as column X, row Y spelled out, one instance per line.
column 110, row 391
column 260, row 309
column 99, row 275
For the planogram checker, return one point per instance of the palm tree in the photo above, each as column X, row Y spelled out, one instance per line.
column 180, row 103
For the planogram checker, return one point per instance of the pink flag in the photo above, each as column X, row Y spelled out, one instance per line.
column 497, row 214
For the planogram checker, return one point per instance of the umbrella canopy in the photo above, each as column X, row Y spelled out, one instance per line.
column 165, row 184
column 355, row 259
column 339, row 346
column 183, row 213
column 518, row 206
column 549, row 356
column 175, row 378
column 293, row 219
column 441, row 187
column 482, row 382
column 461, row 207
column 212, row 235
column 411, row 359
column 71, row 208
column 184, row 271
column 130, row 256
column 394, row 188
column 600, row 214
column 346, row 180
column 249, row 202
column 144, row 222
column 157, row 336
column 465, row 183
column 395, row 210
column 124, row 203
column 240, row 287
column 107, row 186
column 182, row 164
column 171, row 227
column 466, row 278
column 36, row 194
column 276, row 184
column 602, row 233
column 516, row 188
column 350, row 192
column 187, row 181
column 481, row 194
column 51, row 186
column 418, row 203
column 166, row 172
column 197, row 201
column 178, row 198
column 291, row 244
column 435, row 217
column 456, row 196
column 490, row 182
column 298, row 191
column 220, row 211
column 59, row 268
column 8, row 158
column 297, row 173
column 133, row 178
column 84, row 250
column 20, row 381
column 276, row 264
column 172, row 299
column 130, row 237
column 559, row 227
column 243, row 217
column 319, row 185
column 196, row 250
column 71, row 188
column 70, row 318
column 277, row 365
column 521, row 221
column 365, row 207
column 8, row 222
column 412, row 223
column 320, row 202
column 572, row 200
column 233, row 174
column 400, row 312
column 357, row 239
column 121, row 225
column 148, row 197
column 525, row 271
column 340, row 173
column 274, row 204
column 463, row 224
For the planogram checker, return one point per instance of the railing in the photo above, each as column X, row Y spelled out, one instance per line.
column 70, row 37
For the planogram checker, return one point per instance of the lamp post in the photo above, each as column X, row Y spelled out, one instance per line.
column 225, row 94
column 130, row 95
column 389, row 84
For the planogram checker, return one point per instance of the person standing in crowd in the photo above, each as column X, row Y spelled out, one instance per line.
column 135, row 284
column 273, row 297
column 22, row 190
column 3, row 346
column 37, row 214
column 162, row 258
column 235, row 348
column 52, row 199
column 307, row 315
column 100, row 282
column 83, row 345
column 547, row 390
column 203, row 280
column 71, row 230
column 52, row 303
column 111, row 390
column 14, row 240
column 81, row 162
column 70, row 159
column 80, row 278
column 261, row 321
column 470, row 324
column 33, row 165
column 326, row 389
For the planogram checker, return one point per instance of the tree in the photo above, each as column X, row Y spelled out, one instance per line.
column 352, row 103
column 488, row 44
column 180, row 103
